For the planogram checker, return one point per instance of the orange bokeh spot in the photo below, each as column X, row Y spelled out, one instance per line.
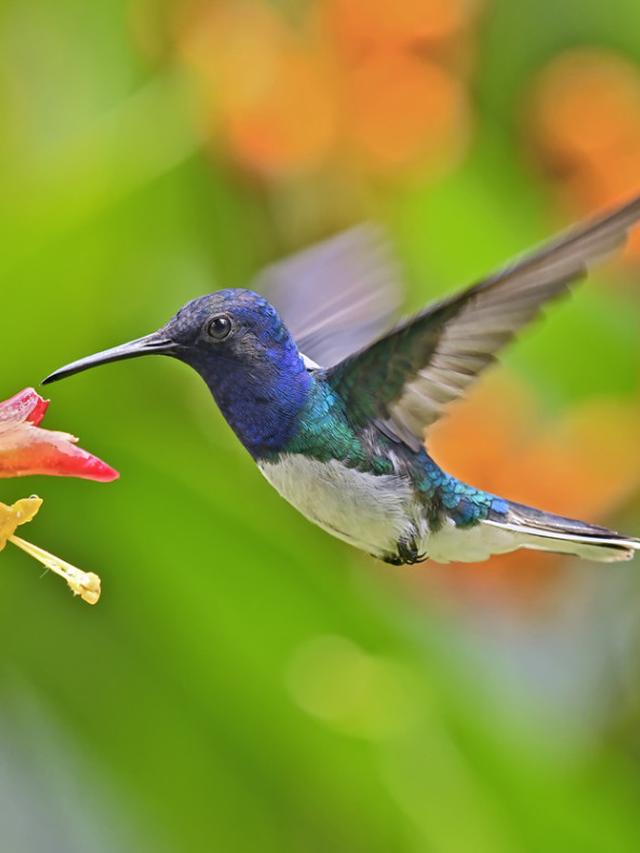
column 586, row 124
column 604, row 184
column 232, row 46
column 404, row 111
column 291, row 125
column 587, row 103
column 272, row 94
column 284, row 100
column 494, row 440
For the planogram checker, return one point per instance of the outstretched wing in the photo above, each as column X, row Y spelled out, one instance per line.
column 406, row 378
column 338, row 296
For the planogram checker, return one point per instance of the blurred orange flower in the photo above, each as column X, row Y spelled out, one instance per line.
column 497, row 440
column 405, row 111
column 358, row 80
column 585, row 122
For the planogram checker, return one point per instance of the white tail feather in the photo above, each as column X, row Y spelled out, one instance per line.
column 601, row 548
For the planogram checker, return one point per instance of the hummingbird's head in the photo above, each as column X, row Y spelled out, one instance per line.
column 238, row 343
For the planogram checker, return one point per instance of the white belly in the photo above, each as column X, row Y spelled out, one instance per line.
column 368, row 511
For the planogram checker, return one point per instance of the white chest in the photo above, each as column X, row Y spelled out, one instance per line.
column 368, row 511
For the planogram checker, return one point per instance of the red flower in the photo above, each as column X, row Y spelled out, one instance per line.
column 25, row 448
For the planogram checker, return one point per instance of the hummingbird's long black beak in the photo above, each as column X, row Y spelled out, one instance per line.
column 148, row 345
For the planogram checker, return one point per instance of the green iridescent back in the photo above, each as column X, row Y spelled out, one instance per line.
column 325, row 433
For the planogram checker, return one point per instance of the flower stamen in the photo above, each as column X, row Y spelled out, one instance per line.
column 84, row 584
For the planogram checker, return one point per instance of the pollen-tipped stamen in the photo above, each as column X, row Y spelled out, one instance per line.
column 84, row 584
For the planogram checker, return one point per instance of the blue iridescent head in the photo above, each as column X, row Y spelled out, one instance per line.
column 239, row 345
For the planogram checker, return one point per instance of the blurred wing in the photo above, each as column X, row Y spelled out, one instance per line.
column 338, row 296
column 406, row 378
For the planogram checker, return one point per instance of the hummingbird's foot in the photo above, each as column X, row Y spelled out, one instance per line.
column 407, row 553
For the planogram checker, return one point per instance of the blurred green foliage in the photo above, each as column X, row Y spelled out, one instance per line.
column 248, row 683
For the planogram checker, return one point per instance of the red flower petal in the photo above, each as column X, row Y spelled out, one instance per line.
column 27, row 449
column 27, row 405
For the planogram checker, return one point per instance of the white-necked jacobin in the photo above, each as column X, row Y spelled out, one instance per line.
column 334, row 409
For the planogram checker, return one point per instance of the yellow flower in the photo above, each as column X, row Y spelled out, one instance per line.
column 84, row 584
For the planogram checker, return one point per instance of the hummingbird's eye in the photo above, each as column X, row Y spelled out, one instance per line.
column 219, row 327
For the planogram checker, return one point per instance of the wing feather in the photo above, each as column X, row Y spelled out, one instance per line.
column 407, row 377
column 337, row 296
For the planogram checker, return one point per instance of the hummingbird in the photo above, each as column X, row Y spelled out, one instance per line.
column 333, row 401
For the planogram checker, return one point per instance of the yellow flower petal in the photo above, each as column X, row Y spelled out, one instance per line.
column 19, row 513
column 84, row 584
